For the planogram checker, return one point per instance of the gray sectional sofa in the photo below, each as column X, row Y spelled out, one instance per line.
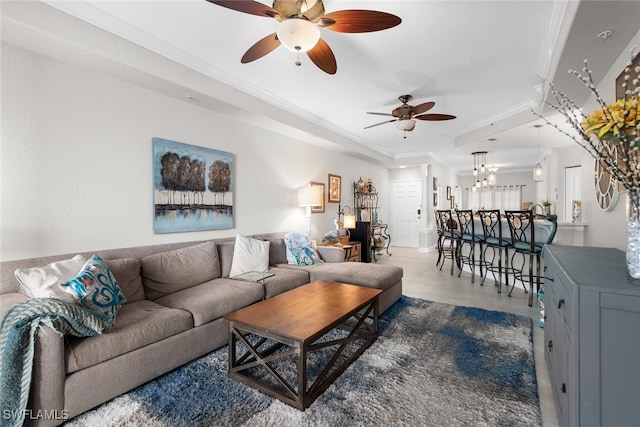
column 177, row 295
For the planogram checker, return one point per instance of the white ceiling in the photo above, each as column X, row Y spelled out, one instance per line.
column 484, row 61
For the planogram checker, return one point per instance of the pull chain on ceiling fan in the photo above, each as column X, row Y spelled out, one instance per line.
column 299, row 28
column 406, row 116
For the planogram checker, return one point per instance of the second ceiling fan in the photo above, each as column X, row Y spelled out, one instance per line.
column 406, row 114
column 299, row 28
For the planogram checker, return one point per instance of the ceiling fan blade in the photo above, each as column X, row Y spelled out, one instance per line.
column 381, row 123
column 323, row 57
column 434, row 117
column 261, row 48
column 359, row 21
column 246, row 6
column 380, row 114
column 423, row 108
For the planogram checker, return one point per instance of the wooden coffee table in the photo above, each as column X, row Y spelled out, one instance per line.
column 270, row 342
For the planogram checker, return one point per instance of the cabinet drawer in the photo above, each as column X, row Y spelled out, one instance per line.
column 562, row 296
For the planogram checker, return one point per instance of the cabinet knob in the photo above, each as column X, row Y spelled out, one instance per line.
column 560, row 302
column 550, row 345
column 564, row 388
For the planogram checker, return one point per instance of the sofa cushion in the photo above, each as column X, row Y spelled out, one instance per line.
column 212, row 300
column 225, row 254
column 277, row 251
column 300, row 250
column 140, row 323
column 249, row 255
column 44, row 282
column 168, row 272
column 284, row 280
column 127, row 273
column 356, row 273
column 95, row 288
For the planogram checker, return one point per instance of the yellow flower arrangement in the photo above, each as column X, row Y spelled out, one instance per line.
column 611, row 134
column 613, row 119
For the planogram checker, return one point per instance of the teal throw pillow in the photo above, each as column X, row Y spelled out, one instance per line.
column 95, row 288
column 301, row 250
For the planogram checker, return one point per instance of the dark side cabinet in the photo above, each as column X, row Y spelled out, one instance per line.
column 362, row 234
column 592, row 336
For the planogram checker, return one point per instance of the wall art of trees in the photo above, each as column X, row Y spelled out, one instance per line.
column 184, row 180
column 190, row 179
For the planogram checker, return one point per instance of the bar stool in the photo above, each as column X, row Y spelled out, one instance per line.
column 450, row 234
column 440, row 240
column 492, row 231
column 469, row 237
column 523, row 240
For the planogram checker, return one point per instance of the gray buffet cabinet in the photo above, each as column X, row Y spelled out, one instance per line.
column 592, row 336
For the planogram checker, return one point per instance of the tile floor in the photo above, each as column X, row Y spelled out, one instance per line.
column 422, row 279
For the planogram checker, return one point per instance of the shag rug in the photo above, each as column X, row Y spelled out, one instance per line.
column 433, row 365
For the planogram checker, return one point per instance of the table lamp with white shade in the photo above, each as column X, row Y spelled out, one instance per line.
column 348, row 222
column 308, row 196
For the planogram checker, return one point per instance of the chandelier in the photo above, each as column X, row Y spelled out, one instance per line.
column 479, row 169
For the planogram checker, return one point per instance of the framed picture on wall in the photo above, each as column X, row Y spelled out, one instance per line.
column 448, row 192
column 192, row 187
column 318, row 209
column 335, row 188
column 435, row 199
column 435, row 184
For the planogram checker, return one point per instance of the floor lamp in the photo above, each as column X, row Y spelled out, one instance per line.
column 308, row 196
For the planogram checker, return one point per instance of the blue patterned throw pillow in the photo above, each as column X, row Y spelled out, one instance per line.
column 96, row 288
column 300, row 250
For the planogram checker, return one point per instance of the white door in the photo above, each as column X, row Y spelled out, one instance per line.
column 406, row 198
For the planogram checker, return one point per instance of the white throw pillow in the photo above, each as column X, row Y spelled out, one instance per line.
column 44, row 282
column 249, row 255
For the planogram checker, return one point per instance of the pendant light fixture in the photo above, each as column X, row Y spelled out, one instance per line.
column 480, row 169
column 538, row 171
column 492, row 178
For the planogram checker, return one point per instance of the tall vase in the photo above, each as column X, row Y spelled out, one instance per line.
column 633, row 235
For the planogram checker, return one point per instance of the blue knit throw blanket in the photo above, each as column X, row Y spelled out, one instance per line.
column 17, row 340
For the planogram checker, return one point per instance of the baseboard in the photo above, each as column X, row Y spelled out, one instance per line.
column 427, row 249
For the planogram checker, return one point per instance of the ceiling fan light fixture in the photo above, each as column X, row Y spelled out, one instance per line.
column 406, row 125
column 298, row 34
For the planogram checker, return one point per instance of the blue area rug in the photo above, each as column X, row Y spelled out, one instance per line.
column 433, row 365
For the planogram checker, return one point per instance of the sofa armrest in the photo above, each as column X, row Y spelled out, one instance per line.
column 48, row 375
column 331, row 253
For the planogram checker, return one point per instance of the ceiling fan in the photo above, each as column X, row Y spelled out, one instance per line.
column 406, row 116
column 299, row 28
